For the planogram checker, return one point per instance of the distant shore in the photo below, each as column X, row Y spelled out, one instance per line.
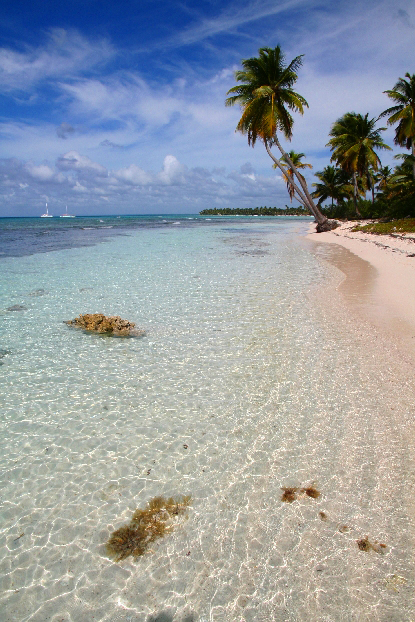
column 382, row 284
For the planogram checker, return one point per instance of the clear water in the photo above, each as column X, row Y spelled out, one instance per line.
column 238, row 389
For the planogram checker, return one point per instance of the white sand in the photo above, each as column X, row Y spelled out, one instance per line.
column 383, row 284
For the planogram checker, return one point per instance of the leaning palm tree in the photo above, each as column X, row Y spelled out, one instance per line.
column 354, row 140
column 266, row 96
column 288, row 175
column 334, row 184
column 403, row 93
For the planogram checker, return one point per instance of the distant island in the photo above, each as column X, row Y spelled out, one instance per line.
column 256, row 211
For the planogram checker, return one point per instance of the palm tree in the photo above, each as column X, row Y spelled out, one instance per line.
column 383, row 176
column 402, row 175
column 334, row 184
column 403, row 93
column 288, row 175
column 377, row 181
column 266, row 97
column 354, row 140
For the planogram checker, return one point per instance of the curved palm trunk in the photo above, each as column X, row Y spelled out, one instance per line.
column 413, row 154
column 320, row 218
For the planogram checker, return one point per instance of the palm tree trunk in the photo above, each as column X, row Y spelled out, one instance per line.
column 321, row 219
column 413, row 154
column 355, row 195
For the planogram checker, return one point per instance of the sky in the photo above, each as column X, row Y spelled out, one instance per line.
column 118, row 107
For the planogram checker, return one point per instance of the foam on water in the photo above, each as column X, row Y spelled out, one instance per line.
column 237, row 390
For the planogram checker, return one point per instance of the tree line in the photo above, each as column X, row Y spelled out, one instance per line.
column 266, row 96
column 255, row 211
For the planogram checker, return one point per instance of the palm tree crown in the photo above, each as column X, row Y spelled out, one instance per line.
column 334, row 184
column 403, row 93
column 265, row 93
column 354, row 140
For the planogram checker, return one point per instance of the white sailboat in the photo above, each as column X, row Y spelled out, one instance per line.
column 47, row 215
column 66, row 215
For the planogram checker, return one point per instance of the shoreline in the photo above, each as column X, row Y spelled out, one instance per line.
column 378, row 282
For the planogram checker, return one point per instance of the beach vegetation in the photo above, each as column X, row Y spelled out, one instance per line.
column 392, row 227
column 267, row 98
column 146, row 526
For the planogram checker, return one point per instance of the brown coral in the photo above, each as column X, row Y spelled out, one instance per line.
column 100, row 323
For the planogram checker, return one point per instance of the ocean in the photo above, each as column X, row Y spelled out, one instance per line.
column 241, row 387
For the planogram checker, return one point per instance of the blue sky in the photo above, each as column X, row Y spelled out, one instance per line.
column 118, row 107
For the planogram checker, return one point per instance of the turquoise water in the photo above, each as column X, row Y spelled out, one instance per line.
column 237, row 389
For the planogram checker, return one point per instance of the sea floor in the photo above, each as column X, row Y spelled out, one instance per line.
column 253, row 376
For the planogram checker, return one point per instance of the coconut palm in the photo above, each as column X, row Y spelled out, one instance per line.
column 354, row 140
column 266, row 96
column 403, row 93
column 334, row 184
column 288, row 175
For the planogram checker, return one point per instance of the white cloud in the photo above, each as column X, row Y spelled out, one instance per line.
column 79, row 187
column 133, row 175
column 76, row 162
column 173, row 171
column 43, row 172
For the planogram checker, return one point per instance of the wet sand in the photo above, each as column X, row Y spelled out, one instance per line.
column 378, row 280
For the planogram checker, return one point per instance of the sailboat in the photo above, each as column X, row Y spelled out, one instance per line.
column 47, row 215
column 66, row 215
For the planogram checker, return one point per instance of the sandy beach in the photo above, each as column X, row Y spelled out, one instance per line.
column 379, row 279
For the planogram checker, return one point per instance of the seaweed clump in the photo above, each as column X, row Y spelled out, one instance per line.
column 365, row 545
column 311, row 491
column 145, row 527
column 290, row 494
column 99, row 323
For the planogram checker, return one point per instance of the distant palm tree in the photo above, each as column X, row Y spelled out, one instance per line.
column 354, row 140
column 403, row 93
column 334, row 184
column 288, row 175
column 383, row 176
column 266, row 97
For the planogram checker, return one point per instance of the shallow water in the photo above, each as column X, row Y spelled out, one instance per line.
column 238, row 388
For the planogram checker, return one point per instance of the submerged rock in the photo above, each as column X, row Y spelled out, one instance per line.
column 100, row 323
column 38, row 292
column 17, row 308
column 3, row 353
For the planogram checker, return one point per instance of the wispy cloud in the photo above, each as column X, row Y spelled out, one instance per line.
column 234, row 16
column 64, row 54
